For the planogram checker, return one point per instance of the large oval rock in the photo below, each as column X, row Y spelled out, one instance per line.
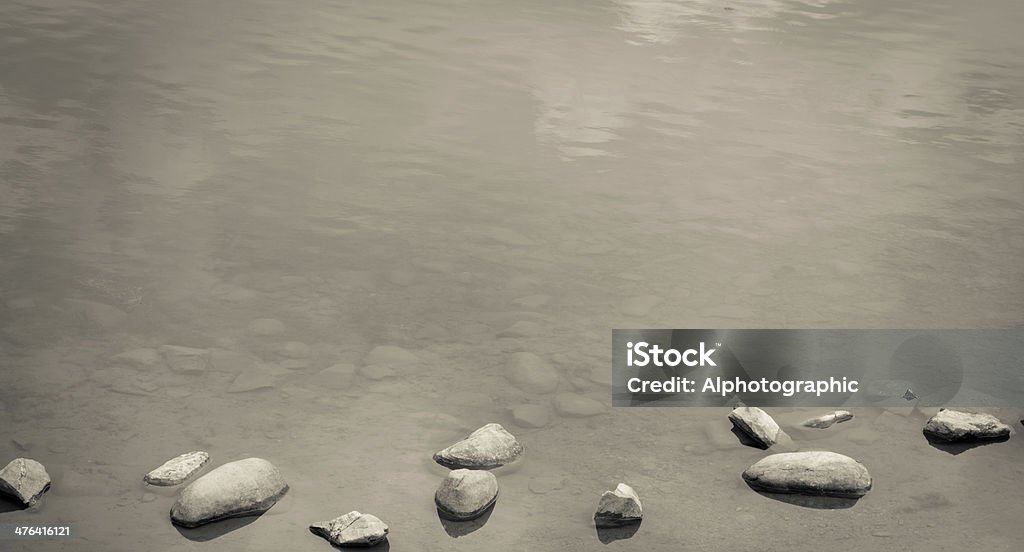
column 352, row 529
column 956, row 425
column 24, row 479
column 176, row 470
column 619, row 507
column 756, row 424
column 486, row 448
column 811, row 473
column 531, row 373
column 466, row 494
column 241, row 488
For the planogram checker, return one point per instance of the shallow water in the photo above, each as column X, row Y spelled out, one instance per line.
column 428, row 174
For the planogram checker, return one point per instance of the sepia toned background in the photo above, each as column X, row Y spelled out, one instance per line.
column 416, row 191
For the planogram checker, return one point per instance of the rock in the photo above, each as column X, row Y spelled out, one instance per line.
column 265, row 327
column 756, row 424
column 296, row 350
column 577, row 406
column 177, row 470
column 486, row 448
column 186, row 360
column 241, row 488
column 827, row 420
column 531, row 415
column 142, row 358
column 466, row 494
column 390, row 355
column 909, row 394
column 956, row 425
column 522, row 328
column 619, row 507
column 531, row 373
column 352, row 529
column 24, row 479
column 810, row 473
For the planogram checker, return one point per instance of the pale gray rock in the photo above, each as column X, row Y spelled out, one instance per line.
column 186, row 360
column 466, row 494
column 24, row 479
column 828, row 420
column 178, row 469
column 619, row 507
column 956, row 425
column 819, row 473
column 486, row 448
column 241, row 488
column 577, row 406
column 352, row 529
column 531, row 373
column 265, row 327
column 531, row 415
column 756, row 424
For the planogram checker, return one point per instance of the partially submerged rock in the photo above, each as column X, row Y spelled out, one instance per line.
column 619, row 507
column 352, row 529
column 756, row 424
column 956, row 425
column 241, row 488
column 486, row 448
column 24, row 479
column 828, row 420
column 466, row 494
column 176, row 470
column 818, row 473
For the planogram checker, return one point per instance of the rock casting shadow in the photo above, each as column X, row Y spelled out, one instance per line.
column 608, row 535
column 215, row 529
column 960, row 447
column 809, row 501
column 456, row 529
column 10, row 505
column 746, row 440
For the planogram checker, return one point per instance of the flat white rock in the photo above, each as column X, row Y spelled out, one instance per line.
column 956, row 425
column 486, row 448
column 619, row 507
column 352, row 529
column 177, row 469
column 756, row 424
column 819, row 473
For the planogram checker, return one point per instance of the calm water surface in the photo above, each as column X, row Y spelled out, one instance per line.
column 427, row 175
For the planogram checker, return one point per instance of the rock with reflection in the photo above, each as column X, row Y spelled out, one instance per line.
column 955, row 425
column 176, row 470
column 828, row 420
column 486, row 448
column 466, row 494
column 24, row 479
column 756, row 424
column 241, row 488
column 819, row 473
column 352, row 529
column 619, row 507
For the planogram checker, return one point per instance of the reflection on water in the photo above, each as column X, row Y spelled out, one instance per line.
column 415, row 191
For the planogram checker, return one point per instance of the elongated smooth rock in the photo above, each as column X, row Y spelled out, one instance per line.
column 956, row 425
column 466, row 494
column 486, row 448
column 241, row 488
column 24, row 479
column 828, row 420
column 819, row 473
column 756, row 424
column 352, row 529
column 619, row 507
column 176, row 470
